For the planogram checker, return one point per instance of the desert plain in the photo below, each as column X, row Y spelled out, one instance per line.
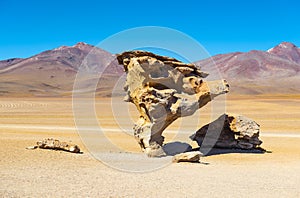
column 49, row 173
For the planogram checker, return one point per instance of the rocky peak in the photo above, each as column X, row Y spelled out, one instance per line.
column 286, row 50
column 81, row 45
column 283, row 46
column 287, row 45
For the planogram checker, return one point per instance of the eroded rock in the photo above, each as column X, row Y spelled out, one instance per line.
column 54, row 144
column 163, row 89
column 235, row 131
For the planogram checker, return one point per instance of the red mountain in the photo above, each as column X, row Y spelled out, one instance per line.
column 258, row 72
column 286, row 50
column 52, row 72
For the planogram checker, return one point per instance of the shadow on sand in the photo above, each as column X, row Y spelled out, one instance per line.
column 174, row 148
column 221, row 151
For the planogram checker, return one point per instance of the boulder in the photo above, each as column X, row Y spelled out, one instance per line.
column 164, row 89
column 234, row 131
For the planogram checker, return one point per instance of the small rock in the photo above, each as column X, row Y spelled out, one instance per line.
column 192, row 156
column 31, row 147
column 54, row 144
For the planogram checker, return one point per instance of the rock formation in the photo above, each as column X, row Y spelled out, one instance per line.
column 236, row 131
column 163, row 89
column 54, row 144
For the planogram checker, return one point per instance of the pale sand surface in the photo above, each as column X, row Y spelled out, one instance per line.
column 47, row 173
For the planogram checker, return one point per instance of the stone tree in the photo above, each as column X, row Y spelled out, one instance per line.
column 164, row 89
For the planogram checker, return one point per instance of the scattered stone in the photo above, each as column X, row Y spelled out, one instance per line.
column 163, row 89
column 31, row 147
column 230, row 131
column 192, row 156
column 54, row 144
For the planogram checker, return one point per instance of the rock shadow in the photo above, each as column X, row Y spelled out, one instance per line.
column 221, row 151
column 174, row 148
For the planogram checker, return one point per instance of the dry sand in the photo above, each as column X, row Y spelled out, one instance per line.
column 47, row 173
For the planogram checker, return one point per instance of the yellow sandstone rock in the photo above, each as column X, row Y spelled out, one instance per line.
column 164, row 89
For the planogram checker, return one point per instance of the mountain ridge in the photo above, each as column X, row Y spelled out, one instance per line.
column 52, row 72
column 273, row 71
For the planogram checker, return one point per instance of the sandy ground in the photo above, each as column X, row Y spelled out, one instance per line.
column 47, row 173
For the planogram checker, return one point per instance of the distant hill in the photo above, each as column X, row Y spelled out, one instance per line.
column 276, row 70
column 52, row 73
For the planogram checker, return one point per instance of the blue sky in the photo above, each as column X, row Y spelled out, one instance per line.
column 29, row 27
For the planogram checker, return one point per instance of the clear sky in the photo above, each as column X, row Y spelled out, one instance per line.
column 29, row 27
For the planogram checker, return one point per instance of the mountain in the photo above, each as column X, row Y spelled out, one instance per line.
column 52, row 72
column 258, row 72
column 8, row 62
column 286, row 50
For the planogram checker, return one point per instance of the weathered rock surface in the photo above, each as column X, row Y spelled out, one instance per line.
column 236, row 131
column 54, row 144
column 164, row 89
column 192, row 156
